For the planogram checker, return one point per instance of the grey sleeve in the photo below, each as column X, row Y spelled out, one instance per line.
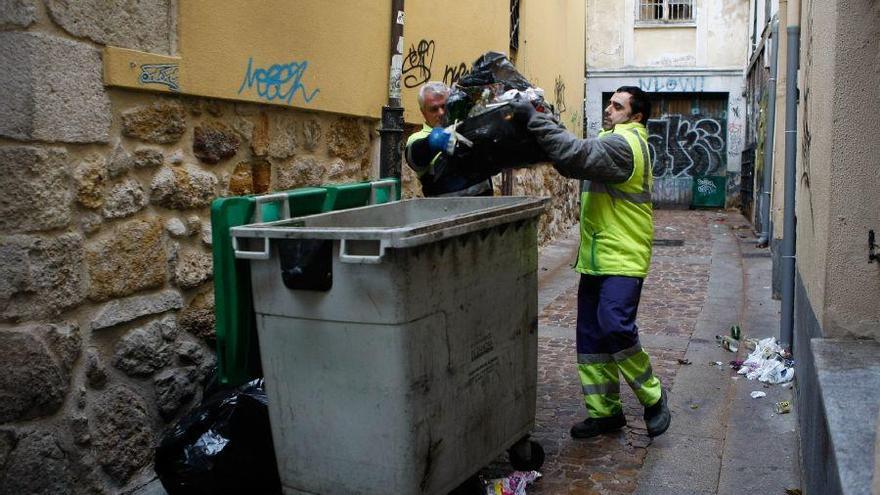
column 606, row 159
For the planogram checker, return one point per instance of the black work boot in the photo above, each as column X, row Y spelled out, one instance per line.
column 591, row 427
column 658, row 417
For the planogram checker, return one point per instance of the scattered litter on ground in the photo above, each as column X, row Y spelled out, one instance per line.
column 727, row 343
column 695, row 406
column 717, row 363
column 514, row 484
column 684, row 361
column 735, row 331
column 793, row 491
column 769, row 363
column 736, row 364
column 750, row 344
column 782, row 407
column 757, row 394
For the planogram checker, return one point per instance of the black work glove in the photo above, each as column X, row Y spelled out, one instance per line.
column 523, row 111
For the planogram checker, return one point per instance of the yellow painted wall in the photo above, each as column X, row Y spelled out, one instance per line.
column 446, row 39
column 311, row 57
column 663, row 46
column 551, row 54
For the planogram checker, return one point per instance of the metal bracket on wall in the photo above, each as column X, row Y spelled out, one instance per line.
column 872, row 248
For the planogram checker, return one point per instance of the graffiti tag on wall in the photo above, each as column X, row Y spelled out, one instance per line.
column 685, row 148
column 419, row 62
column 278, row 82
column 163, row 74
column 691, row 84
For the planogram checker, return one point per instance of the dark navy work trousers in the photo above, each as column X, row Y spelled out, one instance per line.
column 607, row 308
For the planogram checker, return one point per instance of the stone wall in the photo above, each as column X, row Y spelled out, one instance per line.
column 106, row 298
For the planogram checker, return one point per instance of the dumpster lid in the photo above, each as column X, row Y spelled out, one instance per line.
column 399, row 224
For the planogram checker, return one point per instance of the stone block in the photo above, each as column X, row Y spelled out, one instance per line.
column 96, row 372
column 144, row 25
column 161, row 123
column 89, row 178
column 348, row 139
column 17, row 13
column 214, row 142
column 147, row 158
column 34, row 383
column 125, row 199
column 194, row 267
column 38, row 464
column 311, row 134
column 60, row 97
column 250, row 177
column 174, row 388
column 301, row 172
column 35, row 192
column 129, row 260
column 176, row 228
column 183, row 187
column 198, row 317
column 40, row 277
column 122, row 436
column 282, row 137
column 147, row 349
column 131, row 308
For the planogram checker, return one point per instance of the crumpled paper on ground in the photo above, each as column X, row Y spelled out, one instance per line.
column 513, row 484
column 768, row 363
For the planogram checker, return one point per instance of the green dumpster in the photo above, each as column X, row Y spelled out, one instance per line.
column 709, row 191
column 237, row 353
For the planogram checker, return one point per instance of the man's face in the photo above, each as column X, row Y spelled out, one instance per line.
column 618, row 111
column 434, row 109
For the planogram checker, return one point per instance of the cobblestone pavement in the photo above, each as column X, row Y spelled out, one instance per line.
column 673, row 296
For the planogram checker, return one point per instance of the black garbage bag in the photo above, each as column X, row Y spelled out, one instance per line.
column 222, row 446
column 494, row 67
column 499, row 142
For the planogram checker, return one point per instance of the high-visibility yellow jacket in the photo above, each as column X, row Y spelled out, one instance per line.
column 616, row 213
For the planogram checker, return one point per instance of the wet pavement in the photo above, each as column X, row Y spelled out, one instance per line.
column 675, row 294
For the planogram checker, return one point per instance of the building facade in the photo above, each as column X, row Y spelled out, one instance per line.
column 689, row 56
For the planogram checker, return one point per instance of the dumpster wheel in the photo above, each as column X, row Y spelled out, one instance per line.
column 526, row 455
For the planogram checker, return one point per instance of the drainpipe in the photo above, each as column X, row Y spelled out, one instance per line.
column 786, row 332
column 770, row 133
column 391, row 132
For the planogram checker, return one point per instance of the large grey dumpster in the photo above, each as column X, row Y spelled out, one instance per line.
column 399, row 341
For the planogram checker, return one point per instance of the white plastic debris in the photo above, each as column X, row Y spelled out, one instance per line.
column 757, row 394
column 513, row 484
column 768, row 363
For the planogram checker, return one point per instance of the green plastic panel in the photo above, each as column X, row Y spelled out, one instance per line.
column 237, row 353
column 709, row 191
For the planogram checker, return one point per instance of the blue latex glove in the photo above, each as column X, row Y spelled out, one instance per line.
column 441, row 140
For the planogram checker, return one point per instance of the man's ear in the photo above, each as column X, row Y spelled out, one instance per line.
column 638, row 116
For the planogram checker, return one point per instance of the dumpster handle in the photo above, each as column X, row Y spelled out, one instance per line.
column 383, row 184
column 271, row 198
column 251, row 255
column 359, row 258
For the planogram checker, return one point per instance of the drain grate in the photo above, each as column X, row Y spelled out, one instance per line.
column 669, row 242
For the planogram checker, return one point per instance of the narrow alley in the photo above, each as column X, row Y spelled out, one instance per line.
column 706, row 275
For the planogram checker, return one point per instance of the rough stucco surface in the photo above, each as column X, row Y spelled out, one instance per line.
column 605, row 34
column 852, row 283
column 728, row 41
column 815, row 158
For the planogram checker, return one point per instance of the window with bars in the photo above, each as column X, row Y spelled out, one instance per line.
column 660, row 11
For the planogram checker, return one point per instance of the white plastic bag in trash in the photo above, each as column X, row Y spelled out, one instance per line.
column 767, row 363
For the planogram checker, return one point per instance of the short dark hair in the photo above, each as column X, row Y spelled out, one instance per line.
column 639, row 101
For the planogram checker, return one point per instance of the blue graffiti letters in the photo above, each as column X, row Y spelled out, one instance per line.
column 278, row 82
column 164, row 74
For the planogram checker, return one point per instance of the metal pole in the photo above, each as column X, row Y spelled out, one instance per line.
column 391, row 132
column 769, row 138
column 786, row 332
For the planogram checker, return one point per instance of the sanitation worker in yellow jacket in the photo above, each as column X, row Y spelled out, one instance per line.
column 615, row 252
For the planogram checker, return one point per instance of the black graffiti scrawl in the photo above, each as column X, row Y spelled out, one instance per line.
column 683, row 147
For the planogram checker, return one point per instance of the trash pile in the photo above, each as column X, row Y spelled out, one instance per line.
column 477, row 110
column 514, row 484
column 769, row 363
